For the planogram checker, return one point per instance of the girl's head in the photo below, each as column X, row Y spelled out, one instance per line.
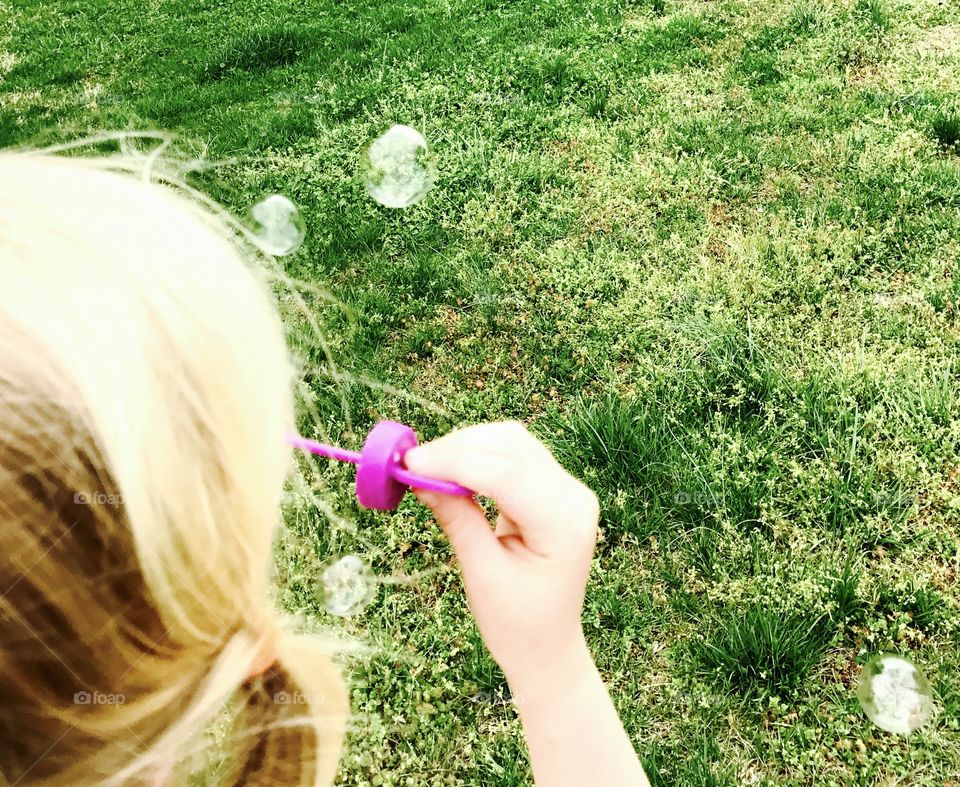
column 145, row 398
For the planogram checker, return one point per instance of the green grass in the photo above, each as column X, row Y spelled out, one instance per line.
column 708, row 251
column 760, row 650
column 257, row 51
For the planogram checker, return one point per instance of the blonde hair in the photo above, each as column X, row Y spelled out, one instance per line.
column 145, row 398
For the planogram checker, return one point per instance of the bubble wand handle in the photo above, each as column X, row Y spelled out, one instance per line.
column 430, row 484
column 328, row 451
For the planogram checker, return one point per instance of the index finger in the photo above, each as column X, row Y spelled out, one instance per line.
column 499, row 437
column 505, row 462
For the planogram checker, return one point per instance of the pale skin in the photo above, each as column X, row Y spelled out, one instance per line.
column 525, row 581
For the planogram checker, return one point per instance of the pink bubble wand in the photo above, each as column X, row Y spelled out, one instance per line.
column 382, row 480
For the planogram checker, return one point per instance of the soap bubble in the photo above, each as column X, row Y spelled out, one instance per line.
column 398, row 167
column 894, row 694
column 348, row 586
column 278, row 226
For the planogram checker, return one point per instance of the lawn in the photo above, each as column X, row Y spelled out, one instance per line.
column 709, row 251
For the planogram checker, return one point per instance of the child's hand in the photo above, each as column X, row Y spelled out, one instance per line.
column 525, row 580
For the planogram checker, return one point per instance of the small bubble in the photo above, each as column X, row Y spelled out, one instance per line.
column 347, row 586
column 894, row 694
column 278, row 226
column 398, row 167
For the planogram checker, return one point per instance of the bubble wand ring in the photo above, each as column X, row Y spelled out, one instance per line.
column 382, row 480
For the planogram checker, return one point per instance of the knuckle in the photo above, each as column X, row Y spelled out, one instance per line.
column 515, row 431
column 588, row 506
column 526, row 443
column 592, row 504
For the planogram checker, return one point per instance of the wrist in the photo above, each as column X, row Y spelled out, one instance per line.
column 540, row 683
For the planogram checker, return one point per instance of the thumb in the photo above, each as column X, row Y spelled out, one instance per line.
column 468, row 530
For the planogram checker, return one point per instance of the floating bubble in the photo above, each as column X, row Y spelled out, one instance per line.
column 278, row 226
column 894, row 694
column 348, row 586
column 398, row 167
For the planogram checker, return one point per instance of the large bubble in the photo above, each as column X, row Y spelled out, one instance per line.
column 398, row 167
column 277, row 225
column 347, row 586
column 894, row 694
